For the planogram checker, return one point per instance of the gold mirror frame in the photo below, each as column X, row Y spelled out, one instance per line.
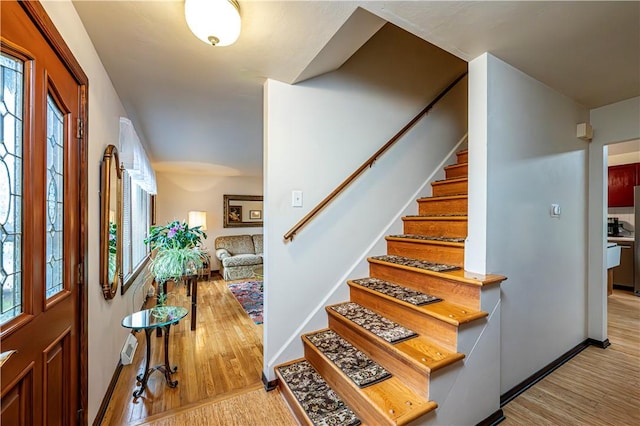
column 110, row 214
column 238, row 210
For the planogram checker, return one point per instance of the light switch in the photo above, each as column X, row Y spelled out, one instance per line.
column 296, row 198
column 555, row 210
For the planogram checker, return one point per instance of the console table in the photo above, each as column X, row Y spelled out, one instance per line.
column 148, row 320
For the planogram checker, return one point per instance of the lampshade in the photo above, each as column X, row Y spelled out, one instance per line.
column 198, row 219
column 215, row 22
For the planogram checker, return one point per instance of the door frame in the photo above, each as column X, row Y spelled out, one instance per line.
column 36, row 12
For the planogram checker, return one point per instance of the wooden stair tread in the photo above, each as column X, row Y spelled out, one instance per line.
column 391, row 398
column 455, row 217
column 423, row 239
column 456, row 165
column 448, row 312
column 448, row 181
column 424, row 355
column 458, row 275
column 443, row 197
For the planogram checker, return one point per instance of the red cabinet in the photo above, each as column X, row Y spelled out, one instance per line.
column 622, row 179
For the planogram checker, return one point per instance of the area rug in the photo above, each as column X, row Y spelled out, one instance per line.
column 250, row 296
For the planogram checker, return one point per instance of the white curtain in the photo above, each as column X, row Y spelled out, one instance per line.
column 134, row 158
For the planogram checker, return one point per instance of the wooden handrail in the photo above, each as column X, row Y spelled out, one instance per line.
column 292, row 232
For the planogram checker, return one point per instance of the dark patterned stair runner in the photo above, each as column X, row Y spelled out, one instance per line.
column 382, row 327
column 428, row 238
column 405, row 294
column 317, row 399
column 437, row 215
column 415, row 263
column 361, row 369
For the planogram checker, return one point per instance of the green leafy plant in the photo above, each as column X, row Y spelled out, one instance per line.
column 171, row 264
column 174, row 234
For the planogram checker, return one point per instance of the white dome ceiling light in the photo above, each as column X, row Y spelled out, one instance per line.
column 216, row 22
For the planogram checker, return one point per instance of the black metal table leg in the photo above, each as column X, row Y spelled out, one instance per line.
column 144, row 377
column 166, row 368
column 194, row 301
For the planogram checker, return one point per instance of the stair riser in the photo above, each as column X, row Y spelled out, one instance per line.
column 392, row 361
column 344, row 388
column 292, row 402
column 436, row 206
column 463, row 157
column 430, row 252
column 442, row 333
column 456, row 172
column 436, row 228
column 455, row 292
column 450, row 188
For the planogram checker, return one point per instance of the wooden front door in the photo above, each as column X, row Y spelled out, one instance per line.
column 41, row 223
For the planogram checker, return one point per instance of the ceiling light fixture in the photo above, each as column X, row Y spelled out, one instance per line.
column 216, row 22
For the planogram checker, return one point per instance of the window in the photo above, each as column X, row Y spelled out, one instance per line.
column 135, row 222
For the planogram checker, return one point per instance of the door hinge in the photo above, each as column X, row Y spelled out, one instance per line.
column 80, row 272
column 80, row 415
column 80, row 129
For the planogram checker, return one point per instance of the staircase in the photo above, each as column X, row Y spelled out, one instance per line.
column 374, row 363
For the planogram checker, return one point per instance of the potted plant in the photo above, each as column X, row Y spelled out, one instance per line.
column 176, row 252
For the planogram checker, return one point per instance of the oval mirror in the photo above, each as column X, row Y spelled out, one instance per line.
column 110, row 219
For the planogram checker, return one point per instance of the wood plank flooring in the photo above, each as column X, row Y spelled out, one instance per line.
column 223, row 354
column 220, row 376
column 597, row 387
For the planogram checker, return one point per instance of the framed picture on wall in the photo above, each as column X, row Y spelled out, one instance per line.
column 235, row 214
column 255, row 214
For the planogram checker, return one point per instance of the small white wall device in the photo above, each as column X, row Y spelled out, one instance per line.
column 129, row 350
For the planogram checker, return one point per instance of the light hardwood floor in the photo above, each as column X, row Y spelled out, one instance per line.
column 223, row 355
column 597, row 387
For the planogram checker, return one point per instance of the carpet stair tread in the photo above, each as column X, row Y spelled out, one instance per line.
column 457, row 275
column 416, row 263
column 448, row 312
column 443, row 197
column 309, row 395
column 455, row 166
column 427, row 239
column 388, row 401
column 354, row 364
column 418, row 351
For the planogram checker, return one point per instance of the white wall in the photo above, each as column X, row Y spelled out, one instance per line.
column 533, row 159
column 106, row 335
column 316, row 134
column 617, row 122
column 179, row 193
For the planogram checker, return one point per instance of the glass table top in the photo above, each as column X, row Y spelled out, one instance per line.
column 158, row 316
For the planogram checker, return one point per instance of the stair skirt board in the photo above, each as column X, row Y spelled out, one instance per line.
column 382, row 327
column 322, row 406
column 357, row 366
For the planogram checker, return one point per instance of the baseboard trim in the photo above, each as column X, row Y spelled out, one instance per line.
column 107, row 396
column 602, row 344
column 493, row 419
column 511, row 394
column 269, row 385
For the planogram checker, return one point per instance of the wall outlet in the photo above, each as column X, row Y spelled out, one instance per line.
column 296, row 198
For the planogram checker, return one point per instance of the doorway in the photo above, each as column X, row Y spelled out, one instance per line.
column 42, row 222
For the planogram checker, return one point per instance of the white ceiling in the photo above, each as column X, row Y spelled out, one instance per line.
column 199, row 108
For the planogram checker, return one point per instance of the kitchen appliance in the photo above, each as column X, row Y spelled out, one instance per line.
column 613, row 227
column 636, row 257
